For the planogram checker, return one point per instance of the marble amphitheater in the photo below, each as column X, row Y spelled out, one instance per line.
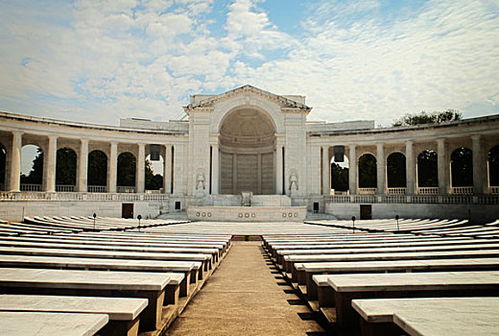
column 265, row 223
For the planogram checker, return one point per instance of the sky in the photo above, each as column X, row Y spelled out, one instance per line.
column 101, row 60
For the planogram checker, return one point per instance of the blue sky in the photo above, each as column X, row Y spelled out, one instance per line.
column 101, row 60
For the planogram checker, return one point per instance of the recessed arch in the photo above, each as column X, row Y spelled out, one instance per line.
column 247, row 143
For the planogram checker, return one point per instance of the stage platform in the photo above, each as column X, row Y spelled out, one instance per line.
column 248, row 213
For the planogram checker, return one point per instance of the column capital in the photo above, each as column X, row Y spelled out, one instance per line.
column 409, row 142
column 476, row 137
column 18, row 133
column 380, row 145
column 83, row 141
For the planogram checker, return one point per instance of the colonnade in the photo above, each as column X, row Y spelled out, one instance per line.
column 13, row 163
column 479, row 149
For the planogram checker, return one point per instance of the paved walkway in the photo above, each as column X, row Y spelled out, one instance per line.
column 243, row 298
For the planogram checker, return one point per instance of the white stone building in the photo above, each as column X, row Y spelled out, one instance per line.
column 250, row 140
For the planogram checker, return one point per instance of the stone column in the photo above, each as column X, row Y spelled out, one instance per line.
column 51, row 163
column 278, row 170
column 380, row 168
column 259, row 172
column 215, row 166
column 140, row 169
column 326, row 185
column 15, row 162
column 352, row 169
column 410, row 168
column 112, row 169
column 83, row 166
column 479, row 175
column 167, row 169
column 443, row 167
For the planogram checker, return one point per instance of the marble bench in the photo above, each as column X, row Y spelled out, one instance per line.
column 91, row 283
column 429, row 316
column 348, row 287
column 281, row 259
column 309, row 271
column 190, row 269
column 123, row 312
column 396, row 256
column 204, row 258
column 51, row 324
column 104, row 247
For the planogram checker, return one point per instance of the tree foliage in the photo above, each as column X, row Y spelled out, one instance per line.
column 339, row 177
column 462, row 167
column 35, row 176
column 153, row 181
column 494, row 166
column 428, row 118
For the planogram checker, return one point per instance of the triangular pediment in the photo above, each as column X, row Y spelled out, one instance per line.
column 210, row 101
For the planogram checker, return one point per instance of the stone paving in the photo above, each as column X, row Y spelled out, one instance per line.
column 244, row 297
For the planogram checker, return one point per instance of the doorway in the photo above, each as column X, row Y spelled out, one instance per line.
column 127, row 210
column 366, row 211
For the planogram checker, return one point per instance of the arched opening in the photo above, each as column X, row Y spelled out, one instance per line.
column 126, row 173
column 247, row 145
column 339, row 176
column 427, row 168
column 367, row 171
column 97, row 171
column 65, row 171
column 462, row 167
column 493, row 169
column 3, row 161
column 31, row 168
column 154, row 172
column 396, row 174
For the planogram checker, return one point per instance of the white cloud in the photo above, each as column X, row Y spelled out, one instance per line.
column 111, row 59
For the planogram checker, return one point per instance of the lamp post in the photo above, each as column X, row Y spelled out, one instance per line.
column 397, row 218
column 95, row 216
column 139, row 217
column 353, row 224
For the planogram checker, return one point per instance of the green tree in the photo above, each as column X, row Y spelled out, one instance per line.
column 35, row 175
column 339, row 177
column 153, row 182
column 396, row 174
column 494, row 166
column 428, row 118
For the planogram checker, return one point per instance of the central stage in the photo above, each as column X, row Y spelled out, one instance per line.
column 248, row 213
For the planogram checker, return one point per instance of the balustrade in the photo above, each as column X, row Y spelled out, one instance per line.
column 125, row 189
column 427, row 190
column 367, row 191
column 396, row 191
column 462, row 190
column 31, row 187
column 64, row 188
column 96, row 189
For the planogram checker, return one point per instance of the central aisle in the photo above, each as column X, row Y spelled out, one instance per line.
column 243, row 298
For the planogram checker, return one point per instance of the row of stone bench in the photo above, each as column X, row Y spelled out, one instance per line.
column 343, row 256
column 130, row 277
